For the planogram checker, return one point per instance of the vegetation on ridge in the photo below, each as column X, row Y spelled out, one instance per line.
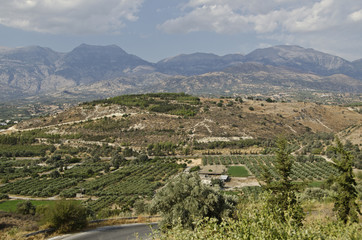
column 172, row 103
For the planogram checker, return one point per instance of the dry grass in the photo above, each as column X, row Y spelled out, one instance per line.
column 15, row 226
column 320, row 211
column 110, row 222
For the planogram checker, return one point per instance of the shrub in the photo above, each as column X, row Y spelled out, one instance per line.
column 314, row 193
column 4, row 196
column 66, row 216
column 217, row 182
column 55, row 174
column 26, row 208
column 140, row 206
column 195, row 169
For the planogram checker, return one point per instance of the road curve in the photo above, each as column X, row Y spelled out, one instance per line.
column 119, row 232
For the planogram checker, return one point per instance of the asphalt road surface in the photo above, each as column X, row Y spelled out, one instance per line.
column 120, row 232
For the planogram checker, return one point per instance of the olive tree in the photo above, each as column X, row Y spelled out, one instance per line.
column 185, row 199
column 117, row 160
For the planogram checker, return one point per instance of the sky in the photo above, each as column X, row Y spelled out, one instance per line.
column 158, row 29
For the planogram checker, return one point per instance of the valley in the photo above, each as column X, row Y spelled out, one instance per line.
column 113, row 153
column 180, row 120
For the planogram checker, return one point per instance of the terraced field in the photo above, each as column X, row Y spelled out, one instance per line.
column 121, row 187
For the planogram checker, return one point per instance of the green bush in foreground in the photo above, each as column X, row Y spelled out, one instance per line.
column 185, row 200
column 257, row 221
column 66, row 216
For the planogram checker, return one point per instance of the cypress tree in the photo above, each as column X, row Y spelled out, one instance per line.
column 283, row 199
column 345, row 205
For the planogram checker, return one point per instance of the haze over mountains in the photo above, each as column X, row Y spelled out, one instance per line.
column 108, row 70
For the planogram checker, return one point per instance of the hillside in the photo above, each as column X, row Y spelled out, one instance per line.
column 184, row 119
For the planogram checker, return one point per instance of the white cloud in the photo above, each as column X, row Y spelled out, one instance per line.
column 68, row 16
column 202, row 16
column 225, row 16
column 356, row 16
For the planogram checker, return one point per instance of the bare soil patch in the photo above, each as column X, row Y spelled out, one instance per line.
column 239, row 182
column 195, row 162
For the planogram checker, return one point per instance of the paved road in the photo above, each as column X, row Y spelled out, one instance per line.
column 120, row 232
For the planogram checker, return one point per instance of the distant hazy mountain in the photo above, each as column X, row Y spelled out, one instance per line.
column 32, row 55
column 23, row 71
column 196, row 63
column 35, row 70
column 249, row 77
column 301, row 59
column 109, row 70
column 357, row 64
column 88, row 64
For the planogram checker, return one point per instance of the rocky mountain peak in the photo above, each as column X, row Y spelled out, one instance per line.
column 88, row 63
column 301, row 59
column 103, row 50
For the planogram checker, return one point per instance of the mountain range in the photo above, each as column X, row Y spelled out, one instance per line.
column 102, row 71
